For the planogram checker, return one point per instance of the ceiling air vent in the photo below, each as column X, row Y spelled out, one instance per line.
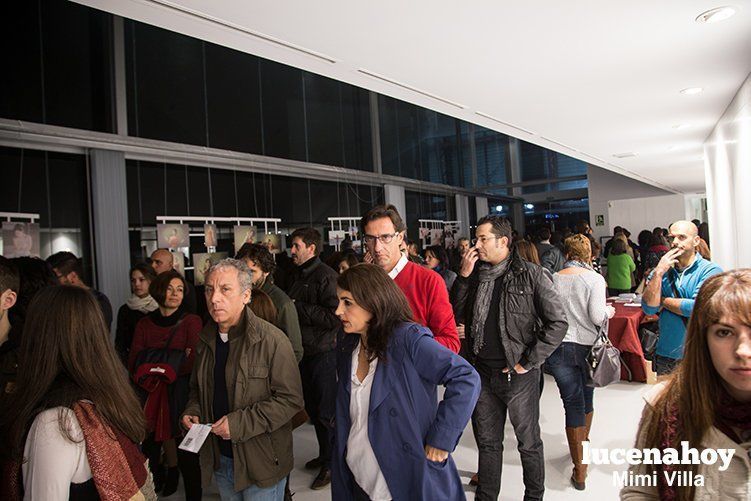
column 625, row 155
column 410, row 88
column 232, row 26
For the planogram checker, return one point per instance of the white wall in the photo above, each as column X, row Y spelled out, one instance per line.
column 606, row 186
column 636, row 214
column 727, row 166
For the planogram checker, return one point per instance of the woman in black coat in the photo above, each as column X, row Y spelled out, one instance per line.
column 138, row 306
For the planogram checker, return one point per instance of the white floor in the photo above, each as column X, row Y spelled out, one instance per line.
column 617, row 412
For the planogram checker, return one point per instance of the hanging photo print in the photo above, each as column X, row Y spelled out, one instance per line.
column 244, row 235
column 202, row 263
column 178, row 262
column 209, row 235
column 20, row 239
column 172, row 236
column 272, row 241
column 336, row 237
column 435, row 236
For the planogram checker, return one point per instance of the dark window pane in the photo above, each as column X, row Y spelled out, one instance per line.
column 21, row 84
column 358, row 145
column 399, row 138
column 198, row 191
column 439, row 148
column 283, row 124
column 223, row 189
column 165, row 85
column 568, row 166
column 536, row 162
column 491, row 152
column 54, row 186
column 323, row 112
column 234, row 100
column 465, row 172
column 177, row 191
column 63, row 76
column 152, row 192
column 423, row 206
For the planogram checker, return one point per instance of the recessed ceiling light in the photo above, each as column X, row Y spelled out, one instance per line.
column 627, row 154
column 716, row 15
column 691, row 90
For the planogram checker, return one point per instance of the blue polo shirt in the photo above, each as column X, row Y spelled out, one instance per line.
column 687, row 282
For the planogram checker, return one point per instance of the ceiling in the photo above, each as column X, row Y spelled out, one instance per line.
column 591, row 78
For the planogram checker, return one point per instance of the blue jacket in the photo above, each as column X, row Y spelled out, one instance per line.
column 687, row 282
column 405, row 415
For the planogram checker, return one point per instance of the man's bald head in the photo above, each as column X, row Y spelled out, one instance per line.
column 162, row 260
column 684, row 235
column 686, row 227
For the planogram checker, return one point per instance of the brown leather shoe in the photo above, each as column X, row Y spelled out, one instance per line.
column 322, row 480
column 475, row 480
column 314, row 464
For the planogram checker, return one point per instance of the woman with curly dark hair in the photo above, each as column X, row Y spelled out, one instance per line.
column 388, row 370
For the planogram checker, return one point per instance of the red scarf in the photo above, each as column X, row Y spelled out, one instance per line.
column 117, row 466
column 729, row 415
column 155, row 379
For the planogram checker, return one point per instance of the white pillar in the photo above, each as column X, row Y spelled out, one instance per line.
column 109, row 210
column 394, row 195
column 483, row 209
column 462, row 214
column 727, row 156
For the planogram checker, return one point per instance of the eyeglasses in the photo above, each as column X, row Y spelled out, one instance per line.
column 483, row 240
column 386, row 238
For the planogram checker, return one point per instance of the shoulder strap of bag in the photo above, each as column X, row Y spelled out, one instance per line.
column 172, row 334
column 602, row 335
column 678, row 296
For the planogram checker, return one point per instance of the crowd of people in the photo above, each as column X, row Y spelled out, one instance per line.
column 357, row 345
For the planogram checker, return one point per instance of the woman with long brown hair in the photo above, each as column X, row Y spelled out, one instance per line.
column 71, row 428
column 388, row 368
column 707, row 400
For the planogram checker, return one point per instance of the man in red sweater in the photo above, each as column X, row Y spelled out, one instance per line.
column 383, row 232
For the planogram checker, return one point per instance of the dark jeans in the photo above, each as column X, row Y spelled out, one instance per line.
column 568, row 364
column 520, row 397
column 318, row 373
column 664, row 365
column 615, row 292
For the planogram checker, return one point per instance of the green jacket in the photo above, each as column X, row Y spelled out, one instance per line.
column 286, row 316
column 264, row 389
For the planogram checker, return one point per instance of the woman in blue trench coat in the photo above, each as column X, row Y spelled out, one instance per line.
column 393, row 438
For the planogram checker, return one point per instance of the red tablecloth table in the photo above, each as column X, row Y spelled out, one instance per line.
column 623, row 332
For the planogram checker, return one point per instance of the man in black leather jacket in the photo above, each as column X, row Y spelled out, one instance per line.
column 513, row 321
column 313, row 291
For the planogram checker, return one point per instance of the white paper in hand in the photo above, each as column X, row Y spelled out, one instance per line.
column 196, row 437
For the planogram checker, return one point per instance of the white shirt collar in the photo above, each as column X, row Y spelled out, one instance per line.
column 399, row 266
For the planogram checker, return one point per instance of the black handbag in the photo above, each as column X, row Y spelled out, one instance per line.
column 604, row 360
column 164, row 355
column 649, row 334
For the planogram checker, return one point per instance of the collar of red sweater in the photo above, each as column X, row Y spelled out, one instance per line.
column 399, row 266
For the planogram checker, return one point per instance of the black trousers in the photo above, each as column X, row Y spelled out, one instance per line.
column 318, row 373
column 520, row 399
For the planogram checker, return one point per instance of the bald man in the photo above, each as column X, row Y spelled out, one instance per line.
column 671, row 290
column 162, row 260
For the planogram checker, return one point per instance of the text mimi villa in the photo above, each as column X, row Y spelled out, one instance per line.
column 677, row 478
column 673, row 479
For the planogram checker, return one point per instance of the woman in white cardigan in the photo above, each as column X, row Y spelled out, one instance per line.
column 706, row 402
